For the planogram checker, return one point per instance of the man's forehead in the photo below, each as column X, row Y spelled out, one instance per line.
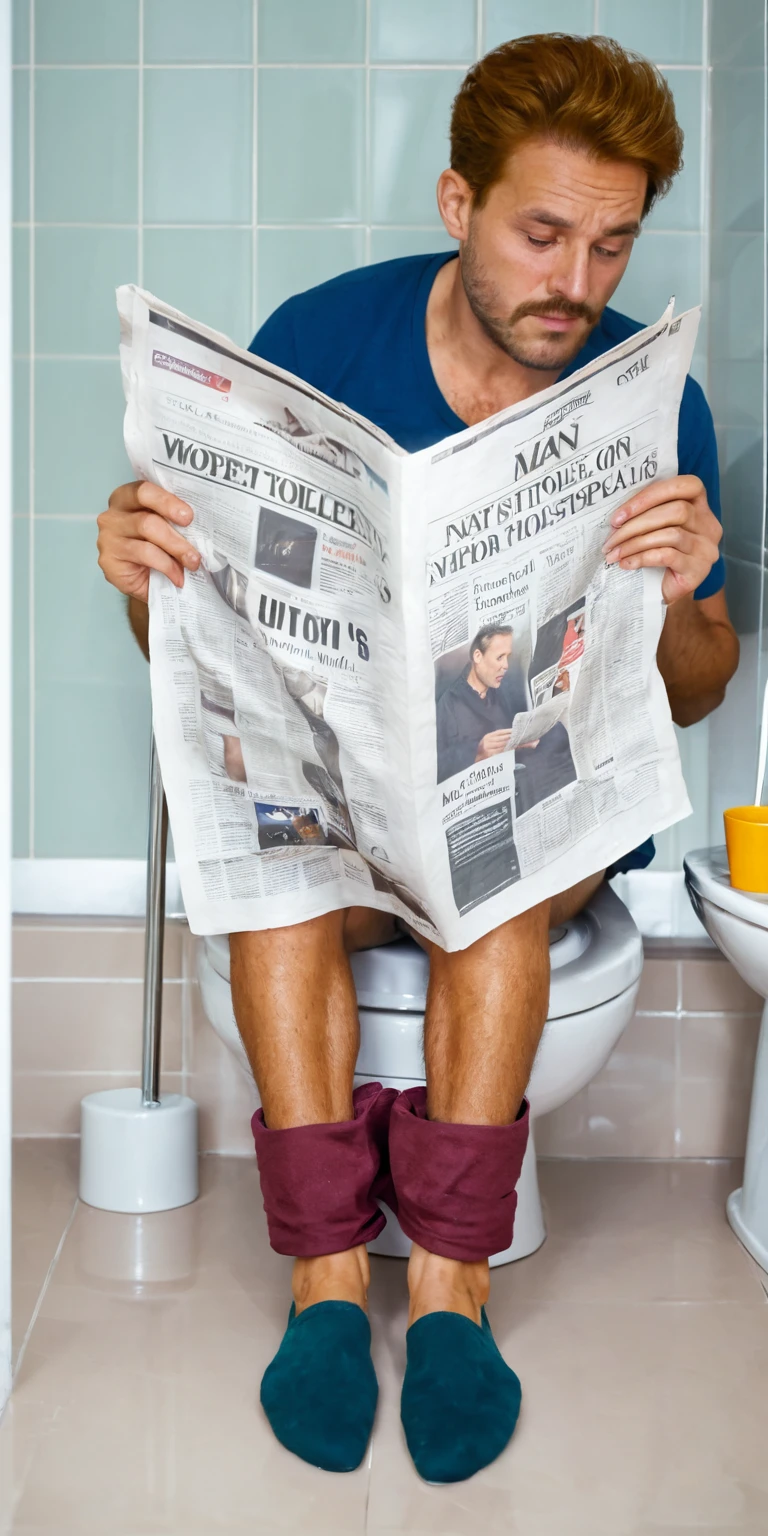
column 544, row 178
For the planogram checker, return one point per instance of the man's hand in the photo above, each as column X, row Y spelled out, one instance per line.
column 668, row 523
column 494, row 742
column 136, row 536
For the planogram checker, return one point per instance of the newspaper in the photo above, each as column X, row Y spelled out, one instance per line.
column 403, row 681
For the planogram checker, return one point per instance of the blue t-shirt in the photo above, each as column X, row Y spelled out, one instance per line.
column 361, row 338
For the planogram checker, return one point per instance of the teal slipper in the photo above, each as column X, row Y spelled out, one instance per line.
column 319, row 1393
column 460, row 1399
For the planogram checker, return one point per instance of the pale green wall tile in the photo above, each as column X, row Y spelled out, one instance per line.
column 79, row 453
column 301, row 31
column 86, row 163
column 517, row 18
column 659, row 266
column 388, row 244
column 197, row 146
column 76, row 273
column 291, row 260
column 737, row 32
column 422, row 31
column 20, row 29
column 737, row 267
column 20, row 259
column 681, row 208
column 87, row 31
column 738, row 150
column 198, row 31
column 667, row 31
column 20, row 707
column 410, row 116
column 311, row 142
column 20, row 434
column 206, row 273
column 21, row 144
column 81, row 630
column 92, row 751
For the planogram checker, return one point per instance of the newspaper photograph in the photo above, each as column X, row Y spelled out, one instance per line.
column 404, row 681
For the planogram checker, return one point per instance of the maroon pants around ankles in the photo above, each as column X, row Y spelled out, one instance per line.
column 455, row 1184
column 452, row 1186
column 320, row 1183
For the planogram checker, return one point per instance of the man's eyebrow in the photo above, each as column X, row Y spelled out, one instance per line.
column 632, row 227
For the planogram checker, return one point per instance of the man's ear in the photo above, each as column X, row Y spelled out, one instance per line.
column 454, row 202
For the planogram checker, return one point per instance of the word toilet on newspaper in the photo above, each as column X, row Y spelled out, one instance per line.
column 406, row 681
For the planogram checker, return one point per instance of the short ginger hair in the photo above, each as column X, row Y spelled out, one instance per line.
column 584, row 92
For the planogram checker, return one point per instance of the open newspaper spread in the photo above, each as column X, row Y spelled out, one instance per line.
column 328, row 733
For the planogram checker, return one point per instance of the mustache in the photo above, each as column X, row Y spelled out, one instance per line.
column 561, row 309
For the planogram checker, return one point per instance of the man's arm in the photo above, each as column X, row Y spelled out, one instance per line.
column 138, row 618
column 698, row 655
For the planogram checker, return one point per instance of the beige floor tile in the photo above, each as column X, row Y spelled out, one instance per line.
column 639, row 1232
column 633, row 1417
column 639, row 1330
column 44, row 1193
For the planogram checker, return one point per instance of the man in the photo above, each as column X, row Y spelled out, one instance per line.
column 559, row 148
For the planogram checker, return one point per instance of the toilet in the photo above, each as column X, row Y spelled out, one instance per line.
column 737, row 922
column 596, row 960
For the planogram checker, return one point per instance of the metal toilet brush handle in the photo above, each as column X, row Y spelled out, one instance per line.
column 138, row 1148
column 157, row 845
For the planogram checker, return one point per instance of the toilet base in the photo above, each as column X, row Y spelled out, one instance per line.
column 746, row 1236
column 530, row 1231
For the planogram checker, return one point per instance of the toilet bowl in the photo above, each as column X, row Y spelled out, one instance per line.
column 737, row 921
column 596, row 961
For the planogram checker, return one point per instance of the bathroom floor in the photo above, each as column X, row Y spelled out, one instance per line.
column 640, row 1332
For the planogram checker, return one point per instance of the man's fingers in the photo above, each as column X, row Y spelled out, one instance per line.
column 149, row 557
column 684, row 487
column 678, row 539
column 150, row 527
column 144, row 493
column 668, row 514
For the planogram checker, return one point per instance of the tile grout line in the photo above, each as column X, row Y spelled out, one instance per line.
column 254, row 167
column 44, row 1289
column 31, row 441
column 425, row 66
column 366, row 210
column 140, row 155
column 479, row 27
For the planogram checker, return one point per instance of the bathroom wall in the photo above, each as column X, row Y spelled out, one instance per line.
column 677, row 1085
column 225, row 156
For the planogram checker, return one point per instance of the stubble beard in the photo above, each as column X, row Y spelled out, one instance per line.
column 487, row 306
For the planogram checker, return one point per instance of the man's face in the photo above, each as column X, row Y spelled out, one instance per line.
column 544, row 254
column 490, row 665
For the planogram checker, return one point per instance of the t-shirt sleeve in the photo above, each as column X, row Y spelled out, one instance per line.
column 275, row 340
column 697, row 455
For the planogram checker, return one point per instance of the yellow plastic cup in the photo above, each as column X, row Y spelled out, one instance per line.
column 746, row 839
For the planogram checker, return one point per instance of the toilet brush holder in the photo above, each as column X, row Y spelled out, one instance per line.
column 138, row 1147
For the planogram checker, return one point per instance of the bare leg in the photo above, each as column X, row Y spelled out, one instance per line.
column 486, row 1009
column 295, row 1005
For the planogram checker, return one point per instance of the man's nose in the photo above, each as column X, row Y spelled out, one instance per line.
column 569, row 278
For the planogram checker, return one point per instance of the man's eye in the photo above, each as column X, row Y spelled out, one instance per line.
column 602, row 251
column 540, row 243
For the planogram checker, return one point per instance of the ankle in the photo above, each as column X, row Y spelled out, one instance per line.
column 437, row 1284
column 332, row 1277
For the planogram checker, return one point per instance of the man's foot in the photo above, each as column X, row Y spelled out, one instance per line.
column 460, row 1400
column 319, row 1393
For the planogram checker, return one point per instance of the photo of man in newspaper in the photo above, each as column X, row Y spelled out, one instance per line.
column 478, row 710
